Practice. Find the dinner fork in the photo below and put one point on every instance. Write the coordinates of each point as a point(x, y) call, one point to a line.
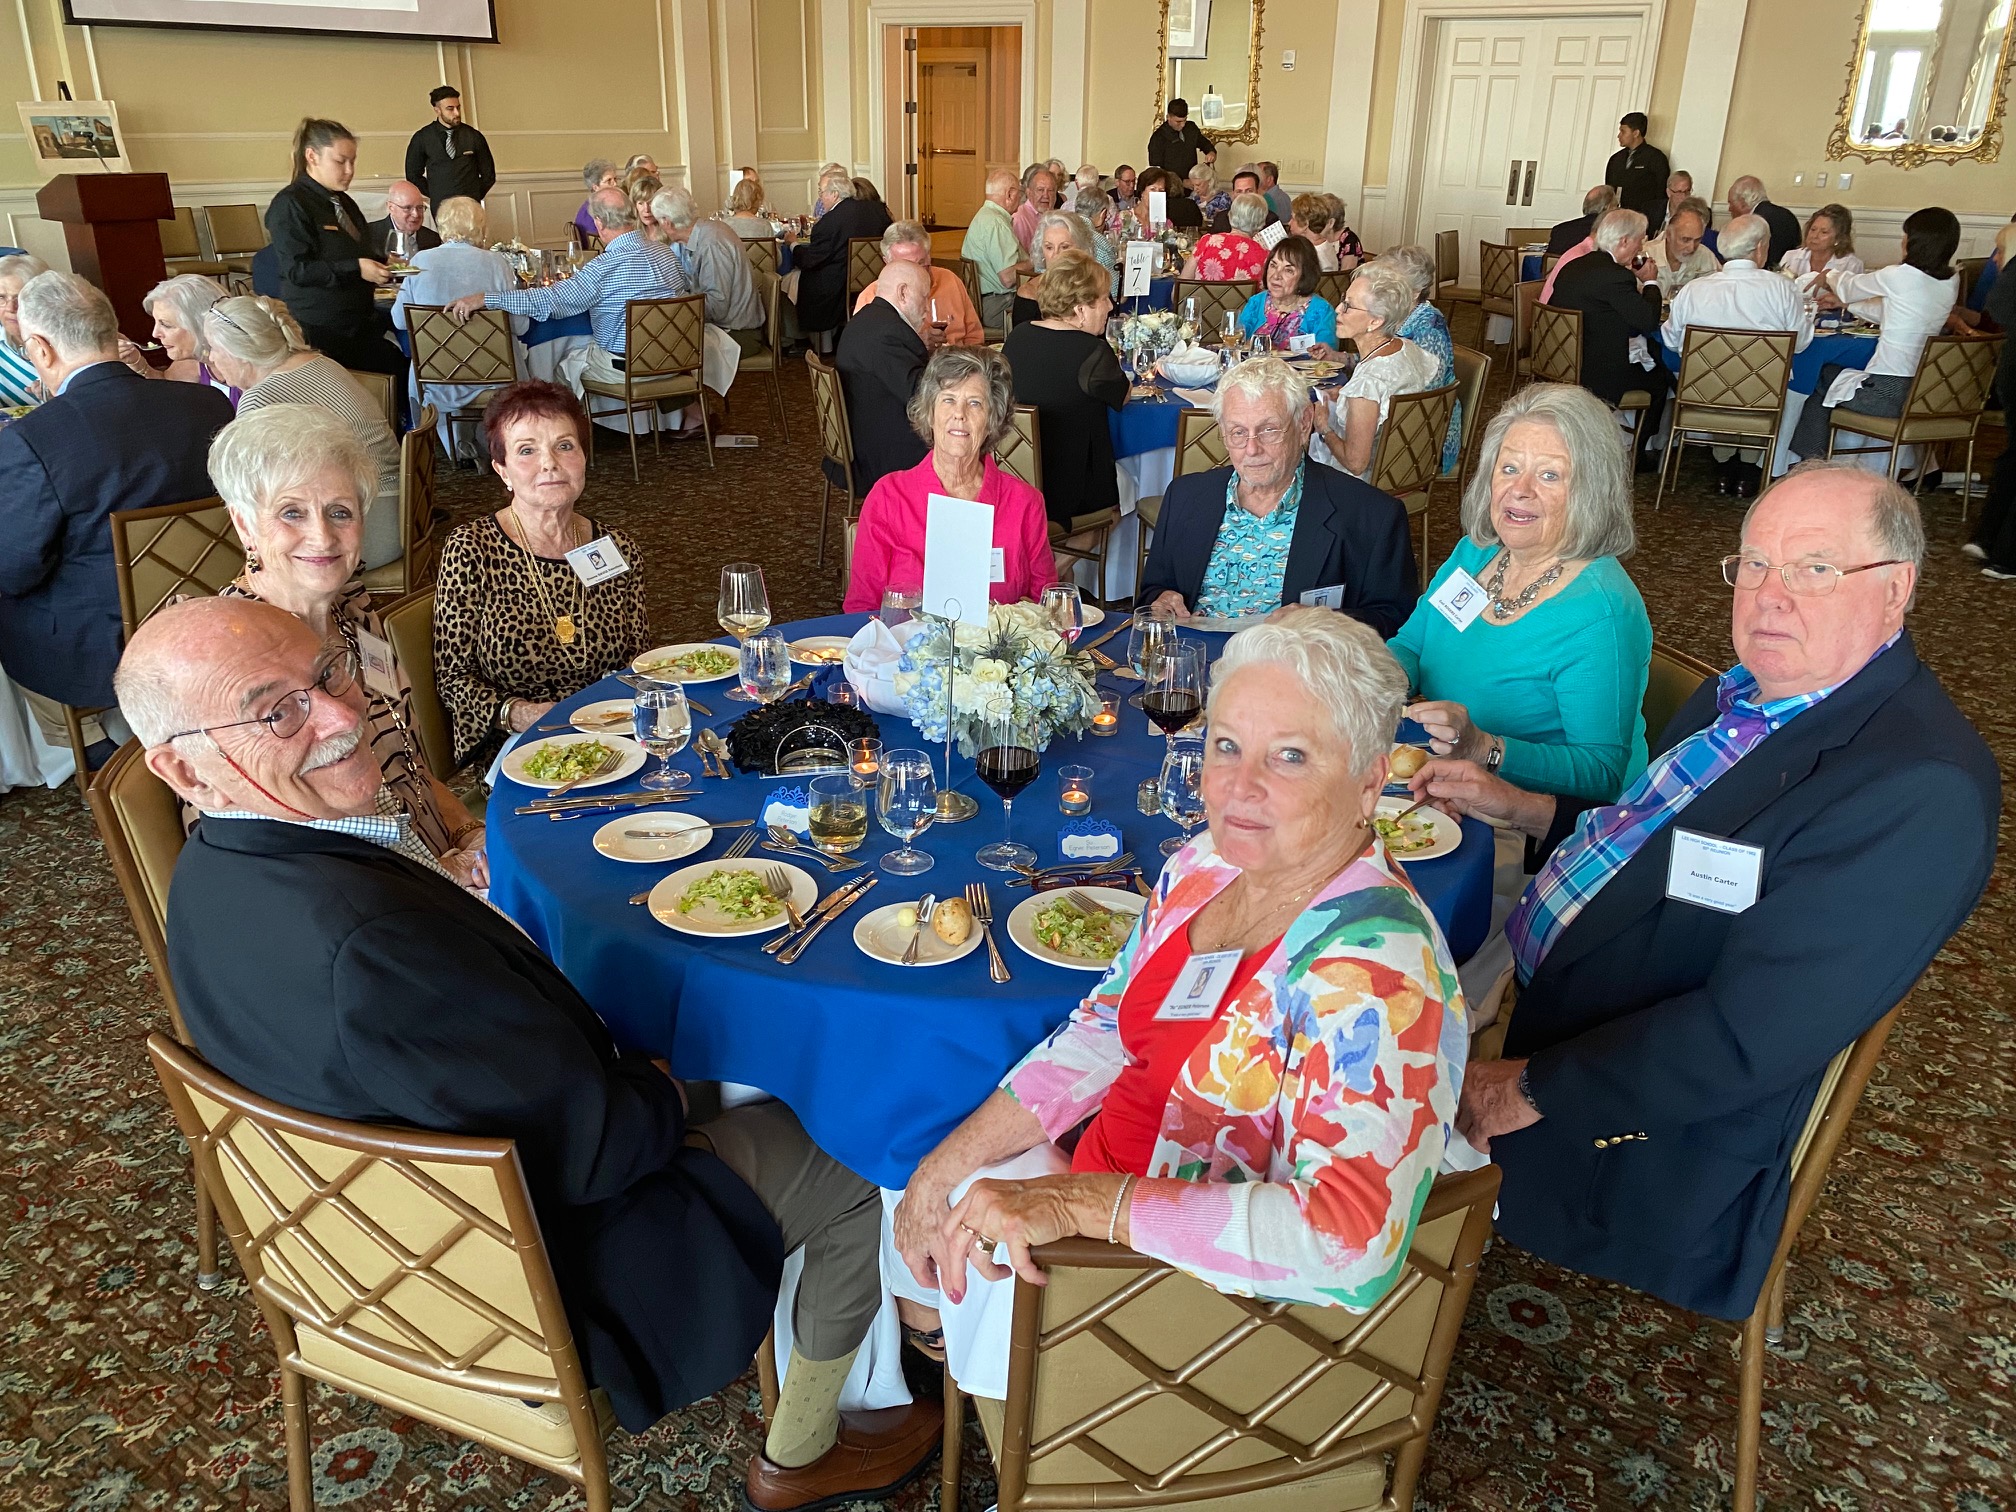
point(778, 885)
point(1085, 905)
point(983, 910)
point(602, 768)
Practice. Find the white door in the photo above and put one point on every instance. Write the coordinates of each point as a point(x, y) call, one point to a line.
point(1522, 117)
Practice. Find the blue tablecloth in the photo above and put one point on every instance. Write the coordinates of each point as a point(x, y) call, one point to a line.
point(1161, 295)
point(1145, 425)
point(1532, 265)
point(879, 1063)
point(1849, 351)
point(539, 331)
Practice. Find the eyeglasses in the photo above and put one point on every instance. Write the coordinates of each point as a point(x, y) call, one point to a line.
point(288, 717)
point(1808, 579)
point(1266, 435)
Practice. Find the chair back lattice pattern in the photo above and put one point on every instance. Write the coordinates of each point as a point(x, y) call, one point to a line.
point(1409, 454)
point(1200, 445)
point(969, 272)
point(480, 352)
point(1473, 377)
point(1557, 344)
point(1954, 377)
point(417, 457)
point(1734, 371)
point(1497, 269)
point(1131, 1383)
point(1020, 453)
point(1448, 259)
point(1525, 295)
point(409, 626)
point(1214, 299)
point(663, 337)
point(235, 230)
point(829, 403)
point(762, 253)
point(168, 551)
point(1331, 287)
point(864, 265)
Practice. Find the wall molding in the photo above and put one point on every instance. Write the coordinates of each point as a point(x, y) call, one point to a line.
point(883, 13)
point(1351, 70)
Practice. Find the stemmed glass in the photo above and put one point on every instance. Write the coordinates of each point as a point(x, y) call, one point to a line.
point(1182, 790)
point(766, 667)
point(744, 609)
point(1065, 607)
point(663, 723)
point(1146, 637)
point(1174, 692)
point(899, 605)
point(1187, 328)
point(400, 247)
point(1008, 762)
point(906, 801)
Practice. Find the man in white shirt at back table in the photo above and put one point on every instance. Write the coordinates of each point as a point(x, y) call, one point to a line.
point(1744, 296)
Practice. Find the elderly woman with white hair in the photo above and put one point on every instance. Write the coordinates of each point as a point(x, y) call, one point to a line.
point(178, 306)
point(18, 383)
point(256, 347)
point(1071, 230)
point(1540, 677)
point(1299, 1180)
point(462, 264)
point(599, 173)
point(1345, 431)
point(1225, 255)
point(1270, 530)
point(1428, 329)
point(299, 485)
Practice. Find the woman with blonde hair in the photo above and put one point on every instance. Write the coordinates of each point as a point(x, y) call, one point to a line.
point(745, 211)
point(1064, 367)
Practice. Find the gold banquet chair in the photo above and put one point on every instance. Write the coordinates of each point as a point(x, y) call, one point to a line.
point(415, 563)
point(170, 551)
point(182, 247)
point(1200, 446)
point(1332, 286)
point(1473, 377)
point(1731, 392)
point(409, 625)
point(864, 265)
point(1948, 393)
point(1407, 458)
point(1497, 272)
point(1670, 681)
point(762, 253)
point(1556, 352)
point(770, 359)
point(399, 1265)
point(664, 347)
point(379, 387)
point(969, 272)
point(236, 233)
point(1132, 1384)
point(480, 352)
point(1215, 298)
point(1448, 267)
point(1525, 295)
point(836, 445)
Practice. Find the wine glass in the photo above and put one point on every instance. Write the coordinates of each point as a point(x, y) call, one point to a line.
point(1229, 333)
point(1182, 790)
point(1174, 692)
point(1008, 762)
point(1187, 328)
point(766, 667)
point(662, 723)
point(1146, 636)
point(1066, 608)
point(906, 801)
point(1144, 366)
point(899, 604)
point(400, 247)
point(744, 608)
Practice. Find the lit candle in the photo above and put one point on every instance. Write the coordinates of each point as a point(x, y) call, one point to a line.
point(1074, 790)
point(1107, 720)
point(864, 758)
point(1076, 801)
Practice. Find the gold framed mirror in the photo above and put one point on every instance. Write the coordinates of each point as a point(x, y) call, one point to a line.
point(1925, 83)
point(1210, 58)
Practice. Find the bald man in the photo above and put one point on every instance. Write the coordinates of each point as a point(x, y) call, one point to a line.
point(881, 356)
point(405, 210)
point(992, 246)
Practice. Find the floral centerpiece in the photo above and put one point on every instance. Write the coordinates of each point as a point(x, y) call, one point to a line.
point(1017, 661)
point(1157, 329)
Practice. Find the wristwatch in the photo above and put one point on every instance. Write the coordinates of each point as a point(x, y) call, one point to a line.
point(1494, 756)
point(1526, 1088)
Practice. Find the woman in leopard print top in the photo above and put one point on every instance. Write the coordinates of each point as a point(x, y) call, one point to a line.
point(515, 629)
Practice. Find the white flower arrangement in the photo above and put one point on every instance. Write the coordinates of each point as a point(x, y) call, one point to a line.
point(1158, 328)
point(1016, 663)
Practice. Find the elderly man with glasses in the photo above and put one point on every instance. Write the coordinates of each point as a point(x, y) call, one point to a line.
point(322, 958)
point(405, 210)
point(1813, 827)
point(1270, 529)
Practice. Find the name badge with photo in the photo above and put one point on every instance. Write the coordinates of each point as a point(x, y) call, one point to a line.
point(1713, 872)
point(1199, 988)
point(1325, 598)
point(597, 562)
point(374, 664)
point(1301, 343)
point(1460, 599)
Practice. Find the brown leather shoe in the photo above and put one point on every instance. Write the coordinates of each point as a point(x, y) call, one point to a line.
point(876, 1453)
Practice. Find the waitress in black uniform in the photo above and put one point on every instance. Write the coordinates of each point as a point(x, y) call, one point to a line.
point(327, 272)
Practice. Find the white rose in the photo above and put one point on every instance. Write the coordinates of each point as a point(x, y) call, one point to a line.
point(988, 669)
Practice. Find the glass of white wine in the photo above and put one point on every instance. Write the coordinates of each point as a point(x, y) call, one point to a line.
point(744, 608)
point(906, 801)
point(839, 814)
point(662, 723)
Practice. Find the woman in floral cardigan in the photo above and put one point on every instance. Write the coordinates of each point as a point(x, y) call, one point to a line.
point(1279, 1138)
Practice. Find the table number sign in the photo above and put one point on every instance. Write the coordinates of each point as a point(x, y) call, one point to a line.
point(1141, 257)
point(1158, 206)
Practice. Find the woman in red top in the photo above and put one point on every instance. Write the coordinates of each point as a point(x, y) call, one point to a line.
point(1226, 255)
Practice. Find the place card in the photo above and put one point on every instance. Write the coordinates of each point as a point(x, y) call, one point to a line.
point(958, 558)
point(1158, 206)
point(789, 807)
point(1088, 840)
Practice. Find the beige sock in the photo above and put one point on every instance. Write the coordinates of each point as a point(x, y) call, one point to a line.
point(808, 1410)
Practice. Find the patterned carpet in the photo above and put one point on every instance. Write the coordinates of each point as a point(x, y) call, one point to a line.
point(125, 1388)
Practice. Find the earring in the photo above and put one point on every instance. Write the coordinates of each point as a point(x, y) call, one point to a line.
point(251, 560)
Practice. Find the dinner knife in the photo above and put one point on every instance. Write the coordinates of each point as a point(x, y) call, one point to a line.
point(1095, 645)
point(612, 800)
point(792, 952)
point(831, 903)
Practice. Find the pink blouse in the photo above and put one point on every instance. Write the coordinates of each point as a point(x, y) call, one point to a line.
point(889, 539)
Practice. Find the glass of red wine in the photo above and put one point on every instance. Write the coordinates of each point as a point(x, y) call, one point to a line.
point(1174, 694)
point(1008, 762)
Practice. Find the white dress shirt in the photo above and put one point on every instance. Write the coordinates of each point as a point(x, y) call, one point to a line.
point(1741, 297)
point(1799, 262)
point(1696, 264)
point(1910, 306)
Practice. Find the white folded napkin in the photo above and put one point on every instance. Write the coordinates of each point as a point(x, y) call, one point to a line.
point(871, 660)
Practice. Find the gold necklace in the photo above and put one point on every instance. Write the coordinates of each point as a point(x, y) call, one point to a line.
point(564, 627)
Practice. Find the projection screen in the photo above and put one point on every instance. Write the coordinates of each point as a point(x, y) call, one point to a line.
point(431, 20)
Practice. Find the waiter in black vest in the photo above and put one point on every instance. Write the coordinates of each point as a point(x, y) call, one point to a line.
point(448, 156)
point(1637, 169)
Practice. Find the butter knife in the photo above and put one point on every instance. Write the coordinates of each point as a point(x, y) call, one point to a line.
point(839, 898)
point(792, 952)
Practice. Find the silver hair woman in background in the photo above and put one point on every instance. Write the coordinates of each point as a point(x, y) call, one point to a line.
point(178, 306)
point(1377, 304)
point(18, 383)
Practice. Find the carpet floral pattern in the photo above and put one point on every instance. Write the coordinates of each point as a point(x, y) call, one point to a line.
point(123, 1388)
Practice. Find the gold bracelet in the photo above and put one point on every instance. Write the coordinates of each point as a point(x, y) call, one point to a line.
point(455, 839)
point(504, 715)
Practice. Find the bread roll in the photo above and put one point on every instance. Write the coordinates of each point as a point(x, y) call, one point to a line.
point(1406, 760)
point(952, 921)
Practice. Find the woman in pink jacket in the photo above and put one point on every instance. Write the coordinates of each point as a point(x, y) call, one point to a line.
point(964, 405)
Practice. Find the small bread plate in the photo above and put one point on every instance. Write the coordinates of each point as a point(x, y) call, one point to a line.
point(1429, 831)
point(820, 650)
point(1215, 626)
point(1022, 923)
point(707, 918)
point(682, 835)
point(1093, 615)
point(631, 754)
point(609, 716)
point(880, 936)
point(664, 664)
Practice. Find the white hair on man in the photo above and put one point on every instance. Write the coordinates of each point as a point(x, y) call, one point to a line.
point(904, 233)
point(1603, 197)
point(1616, 228)
point(1090, 203)
point(675, 208)
point(1001, 182)
point(1746, 237)
point(281, 446)
point(1264, 380)
point(1746, 194)
point(72, 315)
point(1088, 176)
point(836, 182)
point(611, 210)
point(1342, 663)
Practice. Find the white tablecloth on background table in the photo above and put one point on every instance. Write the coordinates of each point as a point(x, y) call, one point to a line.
point(26, 759)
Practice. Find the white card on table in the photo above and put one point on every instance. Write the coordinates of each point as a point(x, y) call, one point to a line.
point(1158, 206)
point(1301, 343)
point(597, 562)
point(1140, 268)
point(997, 566)
point(1460, 599)
point(374, 663)
point(1270, 236)
point(1200, 987)
point(958, 558)
point(1716, 873)
point(1325, 598)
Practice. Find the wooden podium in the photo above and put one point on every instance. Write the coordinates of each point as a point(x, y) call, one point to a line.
point(112, 224)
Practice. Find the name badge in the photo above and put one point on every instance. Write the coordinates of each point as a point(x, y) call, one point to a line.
point(374, 664)
point(1715, 873)
point(1460, 599)
point(1325, 598)
point(597, 562)
point(1301, 343)
point(997, 566)
point(1200, 987)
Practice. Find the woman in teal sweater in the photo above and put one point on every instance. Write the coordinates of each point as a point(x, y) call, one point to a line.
point(1533, 660)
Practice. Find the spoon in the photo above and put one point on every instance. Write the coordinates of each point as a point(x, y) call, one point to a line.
point(926, 906)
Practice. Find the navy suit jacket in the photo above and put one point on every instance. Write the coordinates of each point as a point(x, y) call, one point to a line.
point(1346, 532)
point(1704, 1034)
point(111, 440)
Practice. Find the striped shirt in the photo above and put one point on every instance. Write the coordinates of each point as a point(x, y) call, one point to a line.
point(634, 267)
point(1606, 838)
point(17, 375)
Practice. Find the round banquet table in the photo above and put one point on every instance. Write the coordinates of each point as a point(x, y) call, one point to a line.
point(878, 1062)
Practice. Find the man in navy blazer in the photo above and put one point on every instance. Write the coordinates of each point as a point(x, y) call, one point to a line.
point(1814, 825)
point(108, 439)
point(1347, 545)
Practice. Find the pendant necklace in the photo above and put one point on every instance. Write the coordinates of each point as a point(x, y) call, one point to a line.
point(564, 628)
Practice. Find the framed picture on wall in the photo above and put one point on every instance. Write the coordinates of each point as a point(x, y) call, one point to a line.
point(1189, 28)
point(74, 136)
